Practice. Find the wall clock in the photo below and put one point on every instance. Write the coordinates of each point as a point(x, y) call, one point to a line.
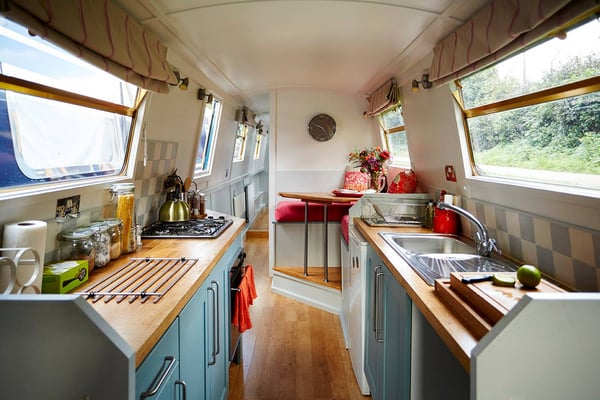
point(321, 127)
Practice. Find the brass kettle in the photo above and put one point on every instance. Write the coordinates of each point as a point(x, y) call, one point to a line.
point(175, 209)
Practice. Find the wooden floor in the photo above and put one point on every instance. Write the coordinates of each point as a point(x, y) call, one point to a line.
point(293, 351)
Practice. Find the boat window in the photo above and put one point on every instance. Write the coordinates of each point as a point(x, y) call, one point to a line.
point(240, 142)
point(62, 121)
point(257, 146)
point(393, 133)
point(208, 138)
point(534, 116)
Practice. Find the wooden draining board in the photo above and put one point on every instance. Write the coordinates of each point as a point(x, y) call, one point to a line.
point(492, 301)
point(480, 305)
point(470, 317)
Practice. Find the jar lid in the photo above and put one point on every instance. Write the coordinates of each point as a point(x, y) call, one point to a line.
point(99, 226)
point(77, 234)
point(111, 222)
point(120, 187)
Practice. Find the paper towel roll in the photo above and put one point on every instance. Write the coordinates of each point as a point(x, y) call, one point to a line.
point(27, 234)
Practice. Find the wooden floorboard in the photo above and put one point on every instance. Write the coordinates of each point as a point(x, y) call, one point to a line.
point(293, 351)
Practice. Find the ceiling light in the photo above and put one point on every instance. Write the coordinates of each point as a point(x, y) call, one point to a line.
point(182, 83)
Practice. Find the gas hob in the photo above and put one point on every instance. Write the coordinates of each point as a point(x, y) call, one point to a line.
point(206, 228)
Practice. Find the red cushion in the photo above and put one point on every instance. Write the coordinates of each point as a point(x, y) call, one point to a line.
point(293, 211)
point(345, 222)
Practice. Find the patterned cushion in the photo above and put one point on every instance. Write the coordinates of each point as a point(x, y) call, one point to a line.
point(356, 180)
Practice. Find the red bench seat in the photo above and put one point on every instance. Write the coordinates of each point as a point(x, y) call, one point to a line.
point(293, 211)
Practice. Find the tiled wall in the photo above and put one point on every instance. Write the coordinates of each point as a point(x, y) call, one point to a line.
point(567, 253)
point(149, 194)
point(149, 179)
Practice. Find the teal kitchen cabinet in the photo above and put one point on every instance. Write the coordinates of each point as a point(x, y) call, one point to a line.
point(204, 334)
point(191, 360)
point(217, 335)
point(388, 336)
point(192, 336)
point(158, 376)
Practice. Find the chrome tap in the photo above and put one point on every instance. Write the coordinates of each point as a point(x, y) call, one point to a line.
point(485, 244)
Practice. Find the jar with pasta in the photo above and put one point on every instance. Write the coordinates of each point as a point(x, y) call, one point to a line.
point(125, 200)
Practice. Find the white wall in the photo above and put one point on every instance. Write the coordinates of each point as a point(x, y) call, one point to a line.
point(301, 163)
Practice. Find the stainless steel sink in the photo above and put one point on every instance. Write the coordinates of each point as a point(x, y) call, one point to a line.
point(435, 256)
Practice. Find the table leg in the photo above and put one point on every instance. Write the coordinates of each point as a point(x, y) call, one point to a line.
point(325, 247)
point(306, 238)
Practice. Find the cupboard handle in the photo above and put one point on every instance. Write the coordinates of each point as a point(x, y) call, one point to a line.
point(183, 388)
point(378, 306)
point(213, 361)
point(218, 318)
point(374, 302)
point(161, 380)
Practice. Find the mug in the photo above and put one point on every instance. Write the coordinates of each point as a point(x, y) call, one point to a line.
point(445, 221)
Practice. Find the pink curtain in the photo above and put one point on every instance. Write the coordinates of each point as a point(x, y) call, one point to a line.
point(384, 98)
point(101, 33)
point(499, 29)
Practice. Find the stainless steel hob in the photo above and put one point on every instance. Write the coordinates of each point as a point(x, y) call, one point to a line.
point(208, 227)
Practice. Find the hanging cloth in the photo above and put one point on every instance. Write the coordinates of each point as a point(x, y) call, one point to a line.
point(384, 98)
point(499, 29)
point(99, 32)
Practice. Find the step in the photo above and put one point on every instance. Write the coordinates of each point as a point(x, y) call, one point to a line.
point(312, 290)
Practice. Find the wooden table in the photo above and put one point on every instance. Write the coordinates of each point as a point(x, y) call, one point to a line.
point(320, 198)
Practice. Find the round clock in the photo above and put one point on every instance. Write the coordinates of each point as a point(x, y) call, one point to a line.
point(321, 127)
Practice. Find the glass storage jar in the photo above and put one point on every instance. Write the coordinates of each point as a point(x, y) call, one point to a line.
point(125, 201)
point(115, 227)
point(77, 244)
point(101, 240)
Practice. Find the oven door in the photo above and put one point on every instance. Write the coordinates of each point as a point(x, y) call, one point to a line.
point(236, 273)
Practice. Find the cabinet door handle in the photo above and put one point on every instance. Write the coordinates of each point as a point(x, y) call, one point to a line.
point(213, 356)
point(218, 317)
point(160, 381)
point(374, 301)
point(181, 383)
point(378, 306)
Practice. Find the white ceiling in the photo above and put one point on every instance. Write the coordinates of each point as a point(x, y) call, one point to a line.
point(250, 47)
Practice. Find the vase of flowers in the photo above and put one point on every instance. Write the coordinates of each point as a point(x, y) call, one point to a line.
point(372, 161)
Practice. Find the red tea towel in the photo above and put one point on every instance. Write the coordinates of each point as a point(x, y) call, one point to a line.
point(243, 299)
point(250, 277)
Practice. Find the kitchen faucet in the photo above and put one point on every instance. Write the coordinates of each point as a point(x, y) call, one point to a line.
point(485, 244)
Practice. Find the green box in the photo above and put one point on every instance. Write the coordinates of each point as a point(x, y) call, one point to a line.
point(64, 276)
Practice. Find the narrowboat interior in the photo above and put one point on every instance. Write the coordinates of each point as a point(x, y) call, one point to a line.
point(299, 199)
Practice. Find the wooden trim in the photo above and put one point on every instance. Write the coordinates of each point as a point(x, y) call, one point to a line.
point(35, 89)
point(585, 86)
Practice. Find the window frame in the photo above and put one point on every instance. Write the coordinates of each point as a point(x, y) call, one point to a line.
point(241, 150)
point(257, 146)
point(135, 112)
point(565, 91)
point(211, 140)
point(386, 133)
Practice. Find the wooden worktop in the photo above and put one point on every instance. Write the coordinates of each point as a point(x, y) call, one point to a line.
point(318, 197)
point(455, 335)
point(141, 325)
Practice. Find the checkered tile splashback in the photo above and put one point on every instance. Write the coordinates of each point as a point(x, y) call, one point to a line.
point(569, 254)
point(149, 190)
